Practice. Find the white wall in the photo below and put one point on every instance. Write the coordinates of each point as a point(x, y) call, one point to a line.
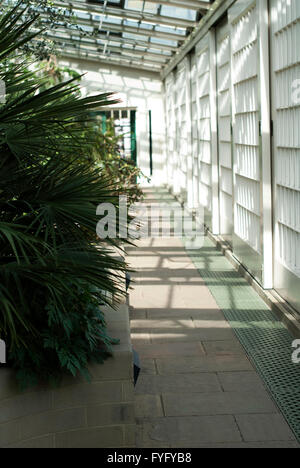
point(235, 160)
point(136, 88)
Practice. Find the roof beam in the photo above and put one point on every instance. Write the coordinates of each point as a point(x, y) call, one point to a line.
point(123, 61)
point(186, 4)
point(135, 30)
point(74, 34)
point(126, 14)
point(130, 58)
point(107, 26)
point(97, 47)
point(111, 61)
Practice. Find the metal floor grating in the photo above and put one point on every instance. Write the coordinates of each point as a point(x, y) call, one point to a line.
point(265, 339)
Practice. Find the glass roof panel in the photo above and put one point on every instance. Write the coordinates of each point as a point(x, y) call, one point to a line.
point(136, 24)
point(81, 15)
point(151, 7)
point(139, 5)
point(181, 13)
point(167, 42)
point(111, 19)
point(146, 29)
point(87, 28)
point(135, 37)
point(168, 29)
point(134, 5)
point(154, 51)
point(110, 2)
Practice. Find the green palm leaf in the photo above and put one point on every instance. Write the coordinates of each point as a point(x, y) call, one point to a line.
point(54, 271)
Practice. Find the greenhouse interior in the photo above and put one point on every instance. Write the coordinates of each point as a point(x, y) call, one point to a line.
point(150, 226)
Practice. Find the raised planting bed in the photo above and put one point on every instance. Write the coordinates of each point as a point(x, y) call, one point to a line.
point(78, 414)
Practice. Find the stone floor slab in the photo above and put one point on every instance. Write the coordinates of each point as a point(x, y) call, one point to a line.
point(195, 313)
point(264, 427)
point(161, 324)
point(203, 364)
point(171, 349)
point(240, 381)
point(188, 431)
point(148, 366)
point(240, 445)
point(179, 334)
point(148, 406)
point(183, 383)
point(223, 348)
point(194, 404)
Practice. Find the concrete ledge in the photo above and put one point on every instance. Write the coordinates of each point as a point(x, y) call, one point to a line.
point(78, 414)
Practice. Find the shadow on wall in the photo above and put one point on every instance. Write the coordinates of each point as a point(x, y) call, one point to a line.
point(135, 88)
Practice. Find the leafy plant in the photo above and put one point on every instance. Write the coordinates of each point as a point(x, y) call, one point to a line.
point(55, 74)
point(107, 157)
point(69, 342)
point(52, 272)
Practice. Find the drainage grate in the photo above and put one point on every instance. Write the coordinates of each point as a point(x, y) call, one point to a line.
point(265, 339)
point(283, 379)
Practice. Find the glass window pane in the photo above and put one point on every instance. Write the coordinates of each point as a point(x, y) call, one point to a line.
point(168, 42)
point(182, 13)
point(136, 5)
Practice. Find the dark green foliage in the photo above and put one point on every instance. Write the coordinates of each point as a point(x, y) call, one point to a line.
point(53, 269)
point(123, 171)
point(70, 340)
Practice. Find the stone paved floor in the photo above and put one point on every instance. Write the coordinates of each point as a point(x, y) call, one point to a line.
point(197, 387)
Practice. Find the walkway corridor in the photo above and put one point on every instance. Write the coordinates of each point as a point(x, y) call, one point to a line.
point(197, 387)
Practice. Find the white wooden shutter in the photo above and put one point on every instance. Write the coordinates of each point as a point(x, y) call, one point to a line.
point(204, 127)
point(285, 43)
point(194, 123)
point(252, 238)
point(224, 131)
point(181, 115)
point(170, 127)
